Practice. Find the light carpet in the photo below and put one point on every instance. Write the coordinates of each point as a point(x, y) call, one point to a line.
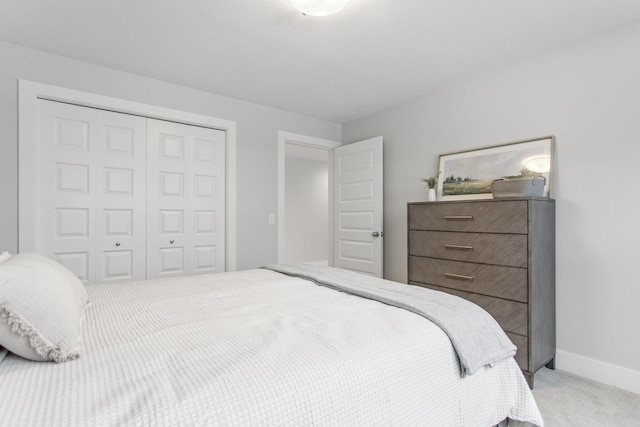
point(565, 400)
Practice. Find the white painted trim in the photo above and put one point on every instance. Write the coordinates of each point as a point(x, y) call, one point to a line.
point(307, 141)
point(28, 94)
point(231, 195)
point(596, 370)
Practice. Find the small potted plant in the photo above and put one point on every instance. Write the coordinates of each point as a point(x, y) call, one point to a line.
point(431, 183)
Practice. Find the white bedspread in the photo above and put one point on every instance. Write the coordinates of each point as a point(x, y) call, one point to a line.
point(256, 348)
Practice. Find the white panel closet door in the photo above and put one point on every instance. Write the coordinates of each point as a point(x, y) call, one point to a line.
point(185, 199)
point(121, 205)
point(91, 191)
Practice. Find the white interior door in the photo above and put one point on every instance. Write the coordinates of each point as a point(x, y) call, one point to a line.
point(91, 191)
point(121, 197)
point(185, 199)
point(66, 184)
point(358, 196)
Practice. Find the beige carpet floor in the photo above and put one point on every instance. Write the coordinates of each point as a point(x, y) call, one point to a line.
point(565, 400)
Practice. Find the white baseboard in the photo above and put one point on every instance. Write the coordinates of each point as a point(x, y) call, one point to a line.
point(596, 370)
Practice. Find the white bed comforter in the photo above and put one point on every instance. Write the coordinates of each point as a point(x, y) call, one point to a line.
point(256, 348)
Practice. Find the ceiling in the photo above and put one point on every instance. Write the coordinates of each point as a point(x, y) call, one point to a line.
point(372, 55)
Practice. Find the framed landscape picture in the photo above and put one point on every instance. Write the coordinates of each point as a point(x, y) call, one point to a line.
point(468, 174)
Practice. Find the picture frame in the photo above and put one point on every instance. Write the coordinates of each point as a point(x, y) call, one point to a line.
point(468, 175)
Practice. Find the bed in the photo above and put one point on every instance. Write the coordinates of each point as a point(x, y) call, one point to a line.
point(256, 347)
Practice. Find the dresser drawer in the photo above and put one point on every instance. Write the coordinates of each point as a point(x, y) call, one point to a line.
point(500, 249)
point(487, 217)
point(511, 315)
point(522, 355)
point(494, 280)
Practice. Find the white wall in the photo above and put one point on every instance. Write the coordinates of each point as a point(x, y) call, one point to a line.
point(257, 138)
point(588, 96)
point(306, 210)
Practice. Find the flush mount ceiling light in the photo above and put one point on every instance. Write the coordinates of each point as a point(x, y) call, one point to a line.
point(319, 7)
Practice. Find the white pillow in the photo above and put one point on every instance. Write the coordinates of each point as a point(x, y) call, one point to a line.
point(41, 306)
point(4, 256)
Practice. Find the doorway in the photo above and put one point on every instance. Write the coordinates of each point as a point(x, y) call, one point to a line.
point(305, 199)
point(355, 209)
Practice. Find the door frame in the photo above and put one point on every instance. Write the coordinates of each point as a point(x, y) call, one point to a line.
point(285, 138)
point(30, 92)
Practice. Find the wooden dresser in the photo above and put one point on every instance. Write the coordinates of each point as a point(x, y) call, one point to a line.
point(500, 254)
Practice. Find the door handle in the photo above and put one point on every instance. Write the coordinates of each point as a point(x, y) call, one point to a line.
point(377, 234)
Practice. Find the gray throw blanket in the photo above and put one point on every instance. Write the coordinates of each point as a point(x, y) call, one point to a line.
point(476, 337)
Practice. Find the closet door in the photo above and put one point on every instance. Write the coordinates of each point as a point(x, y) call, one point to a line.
point(185, 199)
point(91, 191)
point(66, 187)
point(121, 201)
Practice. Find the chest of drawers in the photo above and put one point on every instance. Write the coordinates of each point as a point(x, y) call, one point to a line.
point(499, 254)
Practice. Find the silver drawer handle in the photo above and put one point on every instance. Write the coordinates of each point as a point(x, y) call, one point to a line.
point(464, 247)
point(458, 276)
point(459, 217)
point(117, 243)
point(172, 241)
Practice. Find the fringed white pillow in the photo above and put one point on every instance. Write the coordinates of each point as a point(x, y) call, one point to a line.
point(4, 256)
point(41, 307)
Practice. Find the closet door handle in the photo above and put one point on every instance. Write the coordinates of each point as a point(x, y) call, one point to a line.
point(117, 243)
point(171, 242)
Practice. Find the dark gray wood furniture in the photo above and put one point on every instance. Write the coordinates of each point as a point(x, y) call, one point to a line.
point(500, 254)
